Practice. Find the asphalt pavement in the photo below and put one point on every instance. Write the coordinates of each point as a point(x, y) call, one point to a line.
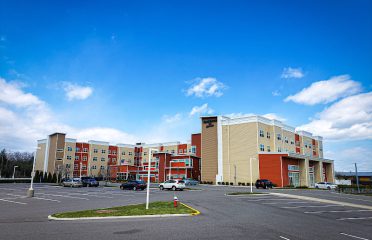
point(261, 216)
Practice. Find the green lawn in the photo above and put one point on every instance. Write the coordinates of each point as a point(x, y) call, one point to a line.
point(131, 210)
point(244, 193)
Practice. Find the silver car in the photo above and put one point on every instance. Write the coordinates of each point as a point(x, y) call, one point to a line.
point(190, 181)
point(75, 182)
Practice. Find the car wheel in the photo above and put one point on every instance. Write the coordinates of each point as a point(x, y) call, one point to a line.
point(329, 188)
point(161, 188)
point(317, 187)
point(174, 188)
point(121, 187)
point(134, 188)
point(181, 189)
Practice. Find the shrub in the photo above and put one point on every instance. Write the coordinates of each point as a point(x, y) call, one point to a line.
point(54, 178)
point(239, 183)
point(231, 183)
point(243, 184)
point(219, 183)
point(45, 177)
point(226, 183)
point(49, 178)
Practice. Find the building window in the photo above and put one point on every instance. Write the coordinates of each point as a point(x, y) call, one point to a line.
point(268, 135)
point(103, 151)
point(102, 167)
point(261, 133)
point(85, 150)
point(144, 153)
point(114, 152)
point(130, 153)
point(268, 149)
point(84, 167)
point(102, 159)
point(279, 149)
point(262, 147)
point(94, 167)
point(76, 166)
point(293, 168)
point(68, 157)
point(122, 161)
point(67, 165)
point(95, 150)
point(279, 136)
point(123, 153)
point(60, 150)
point(193, 149)
point(69, 149)
point(172, 152)
point(292, 142)
point(85, 158)
point(59, 159)
point(285, 139)
point(114, 160)
point(77, 149)
point(76, 157)
point(109, 151)
point(180, 151)
point(94, 158)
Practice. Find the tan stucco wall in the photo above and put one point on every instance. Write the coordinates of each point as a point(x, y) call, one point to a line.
point(99, 155)
point(129, 159)
point(40, 156)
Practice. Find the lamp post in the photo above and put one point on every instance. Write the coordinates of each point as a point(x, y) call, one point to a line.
point(148, 178)
point(80, 169)
point(357, 178)
point(31, 192)
point(14, 170)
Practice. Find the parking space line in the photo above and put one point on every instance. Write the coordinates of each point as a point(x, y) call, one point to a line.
point(338, 211)
point(284, 238)
point(5, 200)
point(354, 218)
point(272, 199)
point(65, 196)
point(274, 203)
point(353, 236)
point(312, 206)
point(47, 199)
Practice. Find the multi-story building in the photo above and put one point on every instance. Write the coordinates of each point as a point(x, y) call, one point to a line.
point(70, 158)
point(238, 149)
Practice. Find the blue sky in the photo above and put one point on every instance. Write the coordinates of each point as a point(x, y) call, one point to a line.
point(126, 71)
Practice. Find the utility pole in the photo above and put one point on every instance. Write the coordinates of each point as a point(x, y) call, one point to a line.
point(357, 178)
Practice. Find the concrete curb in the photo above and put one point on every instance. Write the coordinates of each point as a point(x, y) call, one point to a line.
point(323, 200)
point(196, 212)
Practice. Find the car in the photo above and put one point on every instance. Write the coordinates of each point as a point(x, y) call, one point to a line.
point(133, 185)
point(264, 183)
point(325, 185)
point(74, 182)
point(190, 181)
point(173, 184)
point(89, 182)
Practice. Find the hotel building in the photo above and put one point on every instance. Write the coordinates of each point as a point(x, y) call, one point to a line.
point(236, 149)
point(70, 158)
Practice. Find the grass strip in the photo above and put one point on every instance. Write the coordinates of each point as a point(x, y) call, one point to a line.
point(155, 208)
point(244, 193)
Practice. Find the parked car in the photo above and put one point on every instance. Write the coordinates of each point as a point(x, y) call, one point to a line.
point(325, 185)
point(134, 185)
point(74, 182)
point(264, 183)
point(190, 181)
point(173, 184)
point(89, 182)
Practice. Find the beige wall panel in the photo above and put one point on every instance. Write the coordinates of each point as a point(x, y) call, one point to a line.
point(242, 139)
point(99, 155)
point(40, 156)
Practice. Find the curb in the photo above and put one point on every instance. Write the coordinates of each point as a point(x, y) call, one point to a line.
point(196, 212)
point(323, 200)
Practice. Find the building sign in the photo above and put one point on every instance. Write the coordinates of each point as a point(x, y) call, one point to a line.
point(209, 122)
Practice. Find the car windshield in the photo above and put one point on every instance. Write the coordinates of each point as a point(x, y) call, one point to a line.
point(181, 181)
point(140, 182)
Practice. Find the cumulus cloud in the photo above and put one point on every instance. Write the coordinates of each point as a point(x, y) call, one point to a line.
point(274, 116)
point(203, 109)
point(349, 118)
point(326, 91)
point(76, 92)
point(24, 118)
point(292, 73)
point(206, 87)
point(345, 159)
point(172, 118)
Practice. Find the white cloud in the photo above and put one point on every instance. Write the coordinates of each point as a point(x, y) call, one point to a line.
point(76, 92)
point(173, 118)
point(203, 109)
point(24, 118)
point(349, 118)
point(345, 159)
point(274, 116)
point(292, 73)
point(276, 93)
point(206, 87)
point(326, 91)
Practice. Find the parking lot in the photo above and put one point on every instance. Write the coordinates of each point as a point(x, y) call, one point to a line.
point(262, 216)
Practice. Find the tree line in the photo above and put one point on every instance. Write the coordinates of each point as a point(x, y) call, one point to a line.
point(8, 160)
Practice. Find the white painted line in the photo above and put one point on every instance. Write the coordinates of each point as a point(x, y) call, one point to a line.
point(312, 206)
point(278, 199)
point(284, 238)
point(338, 211)
point(65, 196)
point(354, 218)
point(353, 236)
point(274, 203)
point(5, 200)
point(47, 199)
point(119, 217)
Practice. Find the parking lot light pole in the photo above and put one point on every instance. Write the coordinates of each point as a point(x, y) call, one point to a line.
point(357, 178)
point(31, 192)
point(250, 169)
point(148, 178)
point(14, 170)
